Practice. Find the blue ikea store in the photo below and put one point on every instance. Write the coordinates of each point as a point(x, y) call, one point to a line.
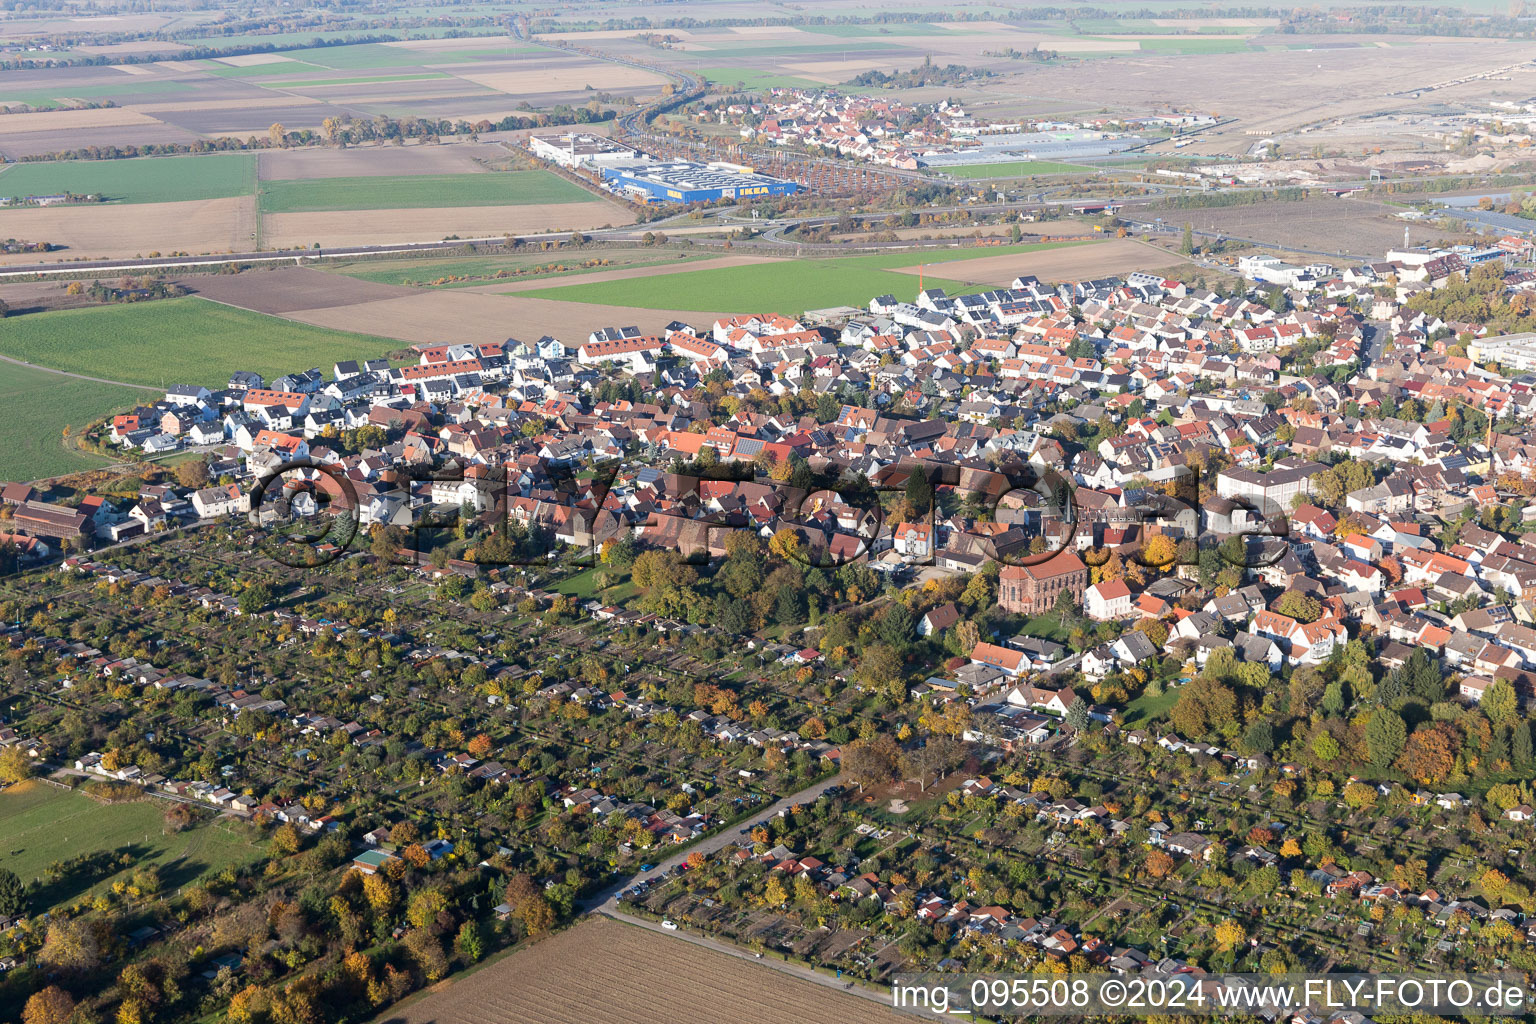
point(687, 182)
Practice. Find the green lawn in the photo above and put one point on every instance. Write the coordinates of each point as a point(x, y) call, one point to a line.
point(1017, 169)
point(1147, 707)
point(166, 179)
point(41, 824)
point(495, 188)
point(36, 406)
point(789, 287)
point(178, 341)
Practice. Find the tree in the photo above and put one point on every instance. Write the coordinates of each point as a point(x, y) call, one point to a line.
point(285, 840)
point(52, 1005)
point(1499, 702)
point(1159, 552)
point(870, 762)
point(1158, 863)
point(1260, 737)
point(71, 945)
point(1077, 715)
point(254, 598)
point(1187, 242)
point(919, 493)
point(880, 668)
point(424, 906)
point(1385, 735)
point(13, 895)
point(15, 765)
point(1429, 754)
point(192, 473)
point(427, 952)
point(277, 134)
point(1299, 606)
point(1230, 935)
point(470, 942)
point(480, 745)
point(1520, 744)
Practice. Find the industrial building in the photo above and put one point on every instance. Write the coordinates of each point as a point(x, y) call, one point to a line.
point(687, 182)
point(578, 149)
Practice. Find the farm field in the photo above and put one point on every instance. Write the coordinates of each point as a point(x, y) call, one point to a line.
point(133, 229)
point(1360, 227)
point(788, 286)
point(439, 273)
point(43, 824)
point(1072, 263)
point(178, 341)
point(347, 227)
point(37, 406)
point(144, 180)
point(472, 315)
point(621, 972)
point(507, 188)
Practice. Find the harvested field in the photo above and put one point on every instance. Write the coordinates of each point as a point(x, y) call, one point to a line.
point(1074, 263)
point(369, 161)
point(474, 316)
point(134, 229)
point(71, 120)
point(601, 970)
point(565, 78)
point(285, 289)
point(1362, 228)
point(344, 227)
point(244, 103)
point(249, 60)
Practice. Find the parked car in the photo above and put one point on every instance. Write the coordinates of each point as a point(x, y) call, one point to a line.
point(669, 926)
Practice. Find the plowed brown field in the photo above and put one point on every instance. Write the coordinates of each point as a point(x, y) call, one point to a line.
point(606, 972)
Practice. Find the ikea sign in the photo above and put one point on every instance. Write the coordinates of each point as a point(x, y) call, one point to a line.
point(755, 190)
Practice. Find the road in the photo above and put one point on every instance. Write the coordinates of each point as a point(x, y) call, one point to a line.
point(605, 900)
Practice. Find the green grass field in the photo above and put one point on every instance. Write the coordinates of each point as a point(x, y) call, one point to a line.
point(366, 55)
point(178, 341)
point(41, 824)
point(364, 80)
point(426, 271)
point(37, 406)
point(791, 286)
point(1186, 45)
point(1011, 170)
point(496, 188)
point(751, 79)
point(50, 98)
point(165, 179)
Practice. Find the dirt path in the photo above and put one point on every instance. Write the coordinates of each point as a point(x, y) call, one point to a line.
point(77, 376)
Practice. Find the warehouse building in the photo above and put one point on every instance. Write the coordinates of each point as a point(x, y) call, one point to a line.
point(687, 182)
point(578, 149)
